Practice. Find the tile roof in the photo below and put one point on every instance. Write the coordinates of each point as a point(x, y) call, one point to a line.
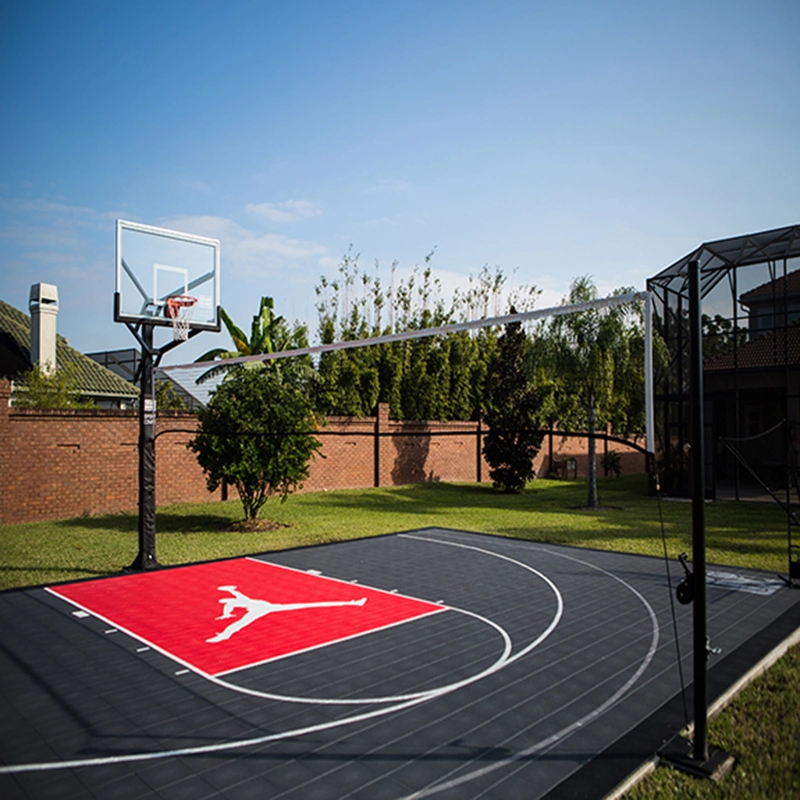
point(93, 378)
point(790, 284)
point(762, 352)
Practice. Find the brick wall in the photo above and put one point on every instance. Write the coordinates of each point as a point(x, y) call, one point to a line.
point(69, 463)
point(632, 461)
point(76, 462)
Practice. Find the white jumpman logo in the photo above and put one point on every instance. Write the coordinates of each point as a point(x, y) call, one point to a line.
point(255, 609)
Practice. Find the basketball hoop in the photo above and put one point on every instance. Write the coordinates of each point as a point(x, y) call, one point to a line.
point(179, 309)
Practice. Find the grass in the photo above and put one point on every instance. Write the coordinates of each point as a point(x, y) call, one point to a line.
point(746, 535)
point(762, 727)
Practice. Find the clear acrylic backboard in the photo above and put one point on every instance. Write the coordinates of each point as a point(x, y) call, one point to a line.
point(154, 264)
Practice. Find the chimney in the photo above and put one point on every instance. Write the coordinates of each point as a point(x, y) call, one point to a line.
point(43, 306)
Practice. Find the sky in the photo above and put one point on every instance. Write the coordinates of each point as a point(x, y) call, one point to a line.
point(549, 140)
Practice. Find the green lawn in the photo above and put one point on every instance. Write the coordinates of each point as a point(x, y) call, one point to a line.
point(751, 535)
point(761, 729)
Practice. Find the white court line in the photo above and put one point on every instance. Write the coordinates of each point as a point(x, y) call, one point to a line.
point(555, 738)
point(340, 581)
point(89, 612)
point(219, 747)
point(310, 648)
point(428, 693)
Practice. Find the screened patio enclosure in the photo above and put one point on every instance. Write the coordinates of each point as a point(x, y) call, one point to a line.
point(750, 289)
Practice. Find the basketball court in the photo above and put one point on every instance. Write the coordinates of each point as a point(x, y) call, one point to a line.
point(429, 663)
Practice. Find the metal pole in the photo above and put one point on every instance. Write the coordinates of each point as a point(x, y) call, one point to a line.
point(147, 459)
point(649, 404)
point(376, 449)
point(698, 518)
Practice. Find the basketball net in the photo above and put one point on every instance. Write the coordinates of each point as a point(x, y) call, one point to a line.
point(179, 309)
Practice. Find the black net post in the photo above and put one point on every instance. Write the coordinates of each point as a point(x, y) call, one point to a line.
point(698, 517)
point(147, 458)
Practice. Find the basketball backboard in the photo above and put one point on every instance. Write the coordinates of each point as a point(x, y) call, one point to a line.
point(154, 264)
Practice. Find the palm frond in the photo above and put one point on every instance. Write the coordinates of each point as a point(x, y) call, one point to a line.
point(215, 371)
point(236, 333)
point(217, 352)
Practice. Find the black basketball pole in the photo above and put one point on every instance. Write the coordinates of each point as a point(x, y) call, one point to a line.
point(698, 517)
point(147, 458)
point(704, 761)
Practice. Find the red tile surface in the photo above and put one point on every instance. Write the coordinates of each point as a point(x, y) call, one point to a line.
point(178, 610)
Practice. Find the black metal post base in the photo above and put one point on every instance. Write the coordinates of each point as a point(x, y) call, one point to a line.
point(143, 562)
point(679, 754)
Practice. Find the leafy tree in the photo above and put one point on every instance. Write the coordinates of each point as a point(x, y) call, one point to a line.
point(720, 335)
point(512, 413)
point(591, 357)
point(256, 434)
point(431, 378)
point(167, 399)
point(60, 389)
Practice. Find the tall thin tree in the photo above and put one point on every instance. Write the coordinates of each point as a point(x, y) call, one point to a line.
point(589, 348)
point(512, 413)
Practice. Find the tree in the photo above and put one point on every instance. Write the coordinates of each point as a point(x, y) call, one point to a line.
point(591, 351)
point(512, 413)
point(257, 434)
point(268, 334)
point(440, 377)
point(167, 399)
point(38, 389)
point(720, 335)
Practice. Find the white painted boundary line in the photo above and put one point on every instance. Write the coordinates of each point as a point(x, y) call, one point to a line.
point(215, 678)
point(567, 731)
point(148, 644)
point(505, 658)
point(322, 576)
point(226, 746)
point(218, 677)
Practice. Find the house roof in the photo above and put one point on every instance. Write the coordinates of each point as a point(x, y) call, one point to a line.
point(717, 257)
point(771, 349)
point(790, 285)
point(93, 379)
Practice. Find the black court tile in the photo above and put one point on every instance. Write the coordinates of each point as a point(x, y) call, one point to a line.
point(550, 672)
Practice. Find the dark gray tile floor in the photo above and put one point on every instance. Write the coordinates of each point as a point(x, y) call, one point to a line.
point(552, 673)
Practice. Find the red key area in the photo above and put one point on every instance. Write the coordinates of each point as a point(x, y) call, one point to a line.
point(177, 611)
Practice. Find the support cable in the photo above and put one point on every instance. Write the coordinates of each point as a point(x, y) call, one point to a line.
point(671, 597)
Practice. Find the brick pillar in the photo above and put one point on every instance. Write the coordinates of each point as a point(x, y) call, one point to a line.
point(381, 425)
point(478, 449)
point(5, 437)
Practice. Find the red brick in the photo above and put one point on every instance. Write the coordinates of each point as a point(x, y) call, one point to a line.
point(73, 462)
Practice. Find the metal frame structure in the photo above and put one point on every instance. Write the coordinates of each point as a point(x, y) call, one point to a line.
point(750, 295)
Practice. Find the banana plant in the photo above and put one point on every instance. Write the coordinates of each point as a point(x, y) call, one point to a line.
point(268, 334)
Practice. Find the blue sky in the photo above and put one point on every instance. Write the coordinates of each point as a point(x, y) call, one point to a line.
point(549, 139)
